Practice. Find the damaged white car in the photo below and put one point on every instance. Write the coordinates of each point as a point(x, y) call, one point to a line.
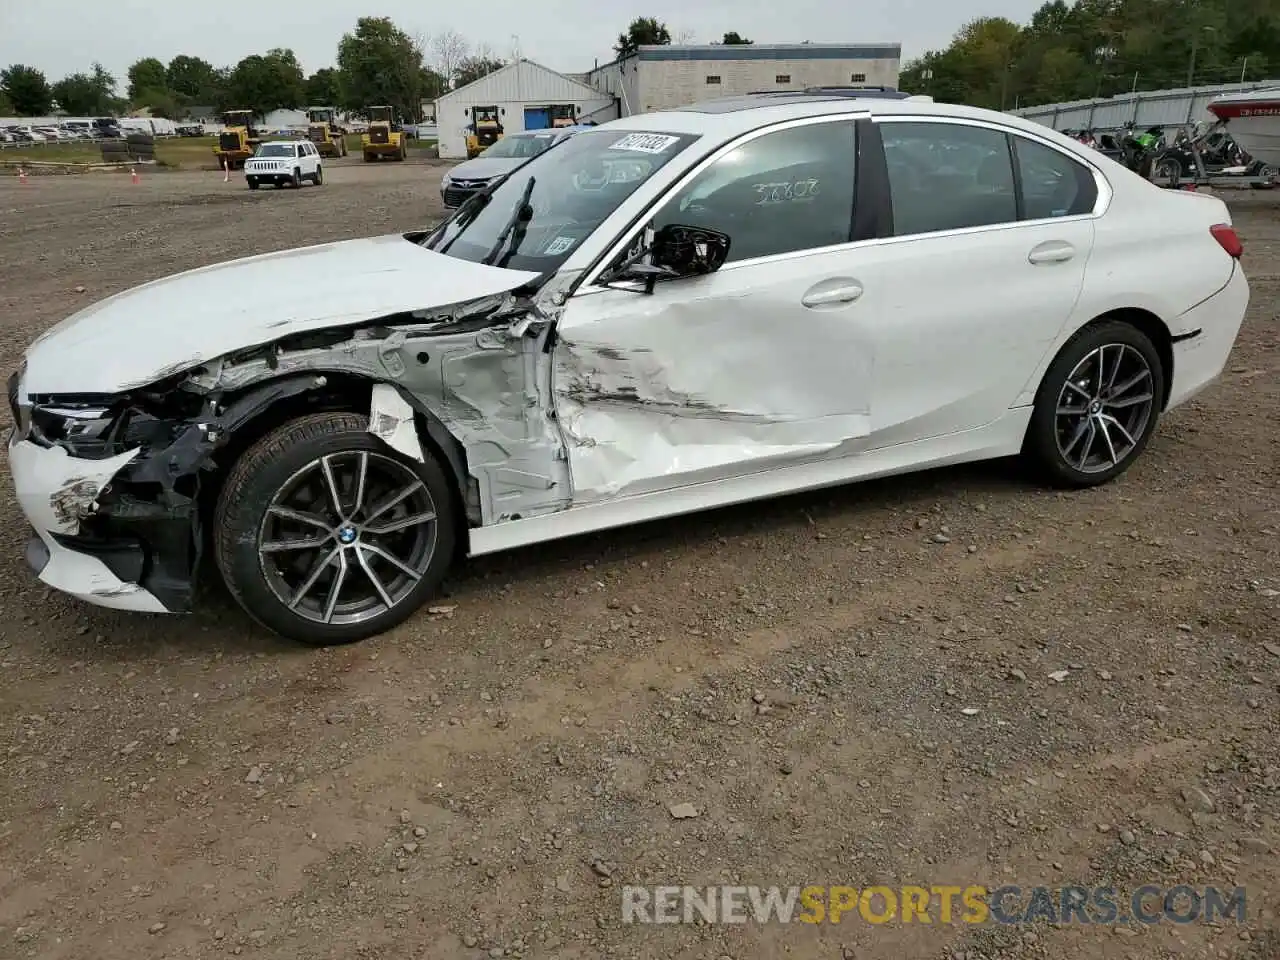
point(670, 312)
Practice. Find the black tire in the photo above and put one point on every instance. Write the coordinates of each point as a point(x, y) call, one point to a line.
point(1041, 446)
point(296, 182)
point(318, 179)
point(268, 467)
point(253, 184)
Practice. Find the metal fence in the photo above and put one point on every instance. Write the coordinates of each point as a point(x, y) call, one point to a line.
point(1146, 108)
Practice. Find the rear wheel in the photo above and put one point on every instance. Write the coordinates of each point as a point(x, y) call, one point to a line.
point(327, 536)
point(1097, 406)
point(318, 179)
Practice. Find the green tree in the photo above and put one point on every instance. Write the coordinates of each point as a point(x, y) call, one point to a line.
point(643, 32)
point(323, 88)
point(147, 74)
point(378, 63)
point(472, 69)
point(431, 84)
point(6, 108)
point(84, 94)
point(735, 39)
point(27, 90)
point(161, 103)
point(267, 82)
point(192, 78)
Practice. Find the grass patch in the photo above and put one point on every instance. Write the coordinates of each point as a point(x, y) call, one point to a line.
point(73, 152)
point(183, 153)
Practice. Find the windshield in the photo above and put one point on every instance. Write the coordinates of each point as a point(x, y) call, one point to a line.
point(275, 150)
point(529, 146)
point(535, 225)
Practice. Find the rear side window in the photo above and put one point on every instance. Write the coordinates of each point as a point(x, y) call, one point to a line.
point(1053, 185)
point(948, 176)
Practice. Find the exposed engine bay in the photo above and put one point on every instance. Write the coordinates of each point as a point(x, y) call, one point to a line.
point(465, 380)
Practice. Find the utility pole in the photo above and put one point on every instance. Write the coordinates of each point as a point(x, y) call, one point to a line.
point(1195, 46)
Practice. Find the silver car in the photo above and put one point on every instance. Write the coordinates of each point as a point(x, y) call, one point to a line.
point(513, 150)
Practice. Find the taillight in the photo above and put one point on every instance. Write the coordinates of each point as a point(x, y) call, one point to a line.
point(1227, 238)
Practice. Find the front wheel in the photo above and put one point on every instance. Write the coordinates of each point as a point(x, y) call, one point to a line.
point(327, 536)
point(296, 182)
point(1097, 406)
point(253, 184)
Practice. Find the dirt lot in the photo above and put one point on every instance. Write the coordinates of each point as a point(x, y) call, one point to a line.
point(803, 672)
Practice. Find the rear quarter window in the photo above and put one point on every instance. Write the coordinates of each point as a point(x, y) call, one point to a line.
point(1053, 184)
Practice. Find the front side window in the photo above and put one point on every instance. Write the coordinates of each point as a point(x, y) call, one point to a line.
point(509, 147)
point(1053, 185)
point(536, 217)
point(948, 176)
point(779, 193)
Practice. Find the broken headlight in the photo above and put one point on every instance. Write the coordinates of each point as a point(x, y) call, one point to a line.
point(94, 428)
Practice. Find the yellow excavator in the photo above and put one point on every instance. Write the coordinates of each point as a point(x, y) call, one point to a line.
point(324, 132)
point(485, 130)
point(385, 136)
point(238, 140)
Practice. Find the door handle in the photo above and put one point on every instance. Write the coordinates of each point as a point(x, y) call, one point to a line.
point(1051, 251)
point(832, 293)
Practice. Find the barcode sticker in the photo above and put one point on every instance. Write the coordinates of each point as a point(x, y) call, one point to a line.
point(645, 142)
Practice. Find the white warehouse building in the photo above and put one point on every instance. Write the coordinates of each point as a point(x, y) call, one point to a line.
point(664, 77)
point(526, 95)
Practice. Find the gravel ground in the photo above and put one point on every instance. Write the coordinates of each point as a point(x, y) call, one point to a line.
point(954, 677)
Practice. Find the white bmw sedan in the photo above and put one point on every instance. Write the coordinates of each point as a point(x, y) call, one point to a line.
point(671, 312)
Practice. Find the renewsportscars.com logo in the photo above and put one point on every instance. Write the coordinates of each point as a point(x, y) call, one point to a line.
point(941, 904)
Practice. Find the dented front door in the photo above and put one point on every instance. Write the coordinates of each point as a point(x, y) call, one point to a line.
point(760, 365)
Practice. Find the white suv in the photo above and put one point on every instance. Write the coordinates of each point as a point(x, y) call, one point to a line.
point(284, 163)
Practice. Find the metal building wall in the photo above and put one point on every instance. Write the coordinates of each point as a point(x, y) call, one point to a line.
point(1146, 108)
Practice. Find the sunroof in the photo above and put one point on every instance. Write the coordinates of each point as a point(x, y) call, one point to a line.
point(756, 99)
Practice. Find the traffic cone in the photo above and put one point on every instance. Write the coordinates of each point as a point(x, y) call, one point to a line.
point(133, 173)
point(22, 176)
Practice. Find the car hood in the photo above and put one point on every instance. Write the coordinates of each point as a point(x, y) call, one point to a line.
point(485, 168)
point(173, 324)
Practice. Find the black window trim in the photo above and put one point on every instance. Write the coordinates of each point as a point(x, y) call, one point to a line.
point(1102, 187)
point(588, 282)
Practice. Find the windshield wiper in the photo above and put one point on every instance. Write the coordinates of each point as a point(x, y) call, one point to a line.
point(464, 215)
point(522, 215)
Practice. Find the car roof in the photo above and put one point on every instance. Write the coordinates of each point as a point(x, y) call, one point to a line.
point(727, 117)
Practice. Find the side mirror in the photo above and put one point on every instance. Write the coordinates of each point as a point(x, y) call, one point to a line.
point(690, 251)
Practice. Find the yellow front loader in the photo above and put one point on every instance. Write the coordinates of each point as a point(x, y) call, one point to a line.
point(324, 132)
point(238, 140)
point(385, 136)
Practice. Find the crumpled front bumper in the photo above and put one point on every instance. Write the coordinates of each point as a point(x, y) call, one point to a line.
point(53, 488)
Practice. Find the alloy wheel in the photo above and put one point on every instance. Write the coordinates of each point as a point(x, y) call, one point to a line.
point(1104, 408)
point(347, 537)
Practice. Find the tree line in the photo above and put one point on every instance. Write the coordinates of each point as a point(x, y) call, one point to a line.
point(1100, 48)
point(377, 63)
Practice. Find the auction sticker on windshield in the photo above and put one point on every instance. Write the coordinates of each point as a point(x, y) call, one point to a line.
point(558, 245)
point(645, 142)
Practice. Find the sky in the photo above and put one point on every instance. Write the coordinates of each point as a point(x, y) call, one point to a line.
point(65, 36)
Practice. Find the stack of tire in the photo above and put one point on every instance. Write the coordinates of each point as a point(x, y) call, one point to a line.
point(134, 147)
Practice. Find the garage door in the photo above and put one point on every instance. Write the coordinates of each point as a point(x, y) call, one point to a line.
point(537, 118)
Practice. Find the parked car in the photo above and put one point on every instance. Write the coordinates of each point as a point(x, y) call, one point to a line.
point(472, 176)
point(671, 312)
point(284, 163)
